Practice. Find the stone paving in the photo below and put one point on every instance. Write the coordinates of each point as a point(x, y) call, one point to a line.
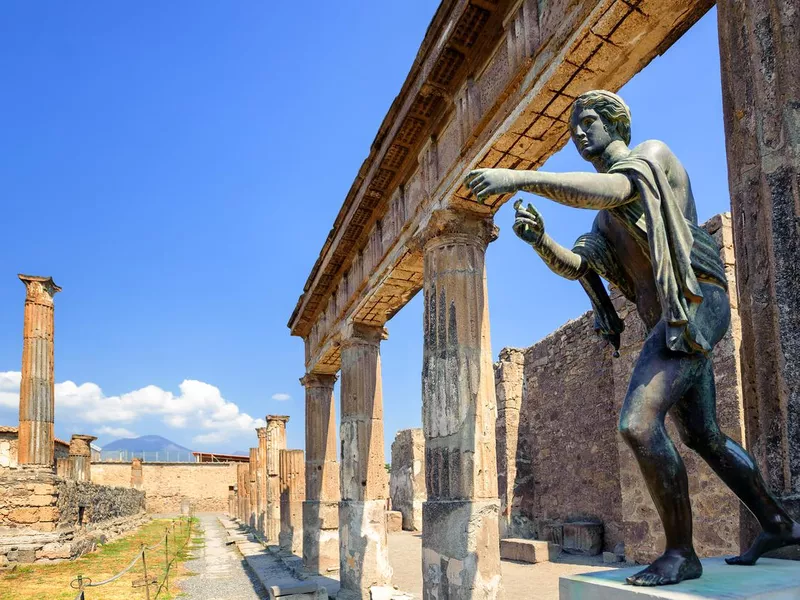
point(219, 568)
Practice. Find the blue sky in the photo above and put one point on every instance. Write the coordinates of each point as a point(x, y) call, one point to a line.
point(176, 168)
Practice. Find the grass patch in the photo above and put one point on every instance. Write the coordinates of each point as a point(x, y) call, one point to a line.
point(52, 581)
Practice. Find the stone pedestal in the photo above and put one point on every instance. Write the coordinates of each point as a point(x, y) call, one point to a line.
point(252, 489)
point(276, 441)
point(460, 530)
point(321, 508)
point(37, 387)
point(759, 44)
point(137, 479)
point(363, 543)
point(293, 493)
point(770, 578)
point(261, 482)
point(80, 457)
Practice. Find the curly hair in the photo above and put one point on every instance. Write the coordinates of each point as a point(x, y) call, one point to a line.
point(609, 106)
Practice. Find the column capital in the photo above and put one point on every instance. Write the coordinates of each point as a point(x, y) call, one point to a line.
point(80, 445)
point(39, 289)
point(261, 432)
point(449, 225)
point(277, 419)
point(318, 380)
point(359, 334)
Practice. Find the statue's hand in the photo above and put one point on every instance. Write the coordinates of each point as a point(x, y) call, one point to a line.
point(491, 182)
point(528, 223)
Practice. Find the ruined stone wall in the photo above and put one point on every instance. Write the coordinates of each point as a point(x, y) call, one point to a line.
point(166, 484)
point(407, 477)
point(9, 444)
point(44, 518)
point(563, 459)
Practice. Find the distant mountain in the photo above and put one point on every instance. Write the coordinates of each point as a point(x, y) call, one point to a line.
point(240, 453)
point(145, 443)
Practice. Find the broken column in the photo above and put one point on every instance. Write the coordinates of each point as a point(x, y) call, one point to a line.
point(363, 543)
point(407, 482)
point(252, 506)
point(37, 388)
point(460, 533)
point(321, 507)
point(276, 441)
point(293, 493)
point(759, 44)
point(261, 482)
point(80, 457)
point(137, 480)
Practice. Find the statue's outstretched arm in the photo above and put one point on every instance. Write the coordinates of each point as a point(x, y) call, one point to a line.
point(580, 190)
point(529, 226)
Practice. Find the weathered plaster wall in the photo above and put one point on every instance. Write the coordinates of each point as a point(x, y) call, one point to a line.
point(563, 459)
point(166, 484)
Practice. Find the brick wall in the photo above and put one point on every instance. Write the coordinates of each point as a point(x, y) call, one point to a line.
point(166, 484)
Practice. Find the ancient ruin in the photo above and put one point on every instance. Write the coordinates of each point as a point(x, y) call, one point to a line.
point(293, 494)
point(492, 86)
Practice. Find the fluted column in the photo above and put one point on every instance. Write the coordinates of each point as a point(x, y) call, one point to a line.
point(321, 507)
point(276, 441)
point(80, 457)
point(242, 484)
point(363, 543)
point(252, 491)
point(460, 531)
point(293, 493)
point(261, 482)
point(37, 388)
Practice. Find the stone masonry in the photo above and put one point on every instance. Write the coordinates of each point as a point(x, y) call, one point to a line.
point(407, 479)
point(37, 388)
point(80, 457)
point(252, 489)
point(261, 483)
point(275, 442)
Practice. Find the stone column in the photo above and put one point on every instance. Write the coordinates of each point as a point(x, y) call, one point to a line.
point(321, 507)
point(261, 482)
point(293, 493)
point(242, 483)
point(231, 502)
point(252, 505)
point(137, 479)
point(276, 441)
point(460, 532)
point(80, 457)
point(759, 47)
point(363, 544)
point(37, 388)
point(407, 481)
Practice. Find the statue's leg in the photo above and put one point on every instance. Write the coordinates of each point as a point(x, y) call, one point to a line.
point(696, 417)
point(660, 378)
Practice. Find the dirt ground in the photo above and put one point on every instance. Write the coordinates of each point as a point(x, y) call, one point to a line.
point(520, 580)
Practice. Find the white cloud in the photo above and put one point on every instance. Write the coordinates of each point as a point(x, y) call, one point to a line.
point(117, 432)
point(281, 397)
point(198, 406)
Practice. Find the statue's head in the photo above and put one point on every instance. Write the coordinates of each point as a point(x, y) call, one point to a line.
point(599, 118)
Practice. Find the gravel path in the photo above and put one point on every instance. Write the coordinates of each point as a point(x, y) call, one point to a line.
point(220, 570)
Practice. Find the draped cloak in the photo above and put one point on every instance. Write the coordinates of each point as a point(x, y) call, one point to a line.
point(680, 253)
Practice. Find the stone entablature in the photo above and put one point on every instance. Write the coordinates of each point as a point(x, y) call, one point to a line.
point(491, 86)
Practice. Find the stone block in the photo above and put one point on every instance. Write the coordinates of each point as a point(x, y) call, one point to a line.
point(610, 558)
point(24, 515)
point(770, 578)
point(529, 551)
point(54, 551)
point(584, 538)
point(394, 521)
point(300, 591)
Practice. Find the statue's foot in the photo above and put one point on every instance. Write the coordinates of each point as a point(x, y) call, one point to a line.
point(766, 542)
point(671, 567)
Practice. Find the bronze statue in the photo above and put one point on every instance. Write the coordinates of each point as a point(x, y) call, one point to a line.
point(645, 240)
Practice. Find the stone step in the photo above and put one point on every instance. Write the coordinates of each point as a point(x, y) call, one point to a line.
point(529, 551)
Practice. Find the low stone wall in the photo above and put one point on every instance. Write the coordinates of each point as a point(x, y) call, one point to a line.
point(45, 518)
point(205, 485)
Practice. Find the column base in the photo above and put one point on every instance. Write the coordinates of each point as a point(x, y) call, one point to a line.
point(461, 549)
point(363, 548)
point(321, 536)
